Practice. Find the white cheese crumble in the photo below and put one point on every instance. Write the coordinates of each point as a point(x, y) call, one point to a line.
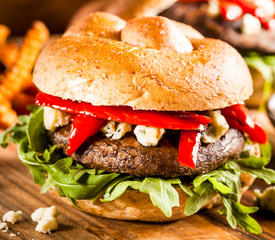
point(3, 225)
point(250, 24)
point(213, 9)
point(121, 130)
point(54, 118)
point(109, 129)
point(5, 230)
point(12, 216)
point(217, 129)
point(13, 235)
point(148, 136)
point(46, 219)
point(116, 130)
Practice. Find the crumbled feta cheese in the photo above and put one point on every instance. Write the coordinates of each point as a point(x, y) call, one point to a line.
point(109, 129)
point(41, 213)
point(116, 130)
point(121, 130)
point(217, 129)
point(13, 235)
point(5, 230)
point(250, 24)
point(148, 136)
point(54, 118)
point(46, 218)
point(46, 225)
point(3, 225)
point(12, 216)
point(213, 9)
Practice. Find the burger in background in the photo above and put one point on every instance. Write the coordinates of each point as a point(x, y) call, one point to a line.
point(248, 25)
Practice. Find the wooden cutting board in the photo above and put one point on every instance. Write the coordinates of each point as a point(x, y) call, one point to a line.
point(18, 192)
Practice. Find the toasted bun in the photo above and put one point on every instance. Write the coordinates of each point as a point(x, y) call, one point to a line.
point(136, 206)
point(148, 63)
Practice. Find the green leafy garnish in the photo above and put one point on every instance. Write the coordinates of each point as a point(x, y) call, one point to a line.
point(251, 161)
point(266, 66)
point(51, 168)
point(15, 133)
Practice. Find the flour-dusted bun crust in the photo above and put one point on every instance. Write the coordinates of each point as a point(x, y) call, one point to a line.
point(136, 206)
point(166, 66)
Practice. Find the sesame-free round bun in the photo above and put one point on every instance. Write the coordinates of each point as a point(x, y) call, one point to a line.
point(136, 206)
point(148, 63)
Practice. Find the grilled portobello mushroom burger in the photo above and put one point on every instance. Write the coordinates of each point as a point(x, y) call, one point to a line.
point(248, 25)
point(143, 120)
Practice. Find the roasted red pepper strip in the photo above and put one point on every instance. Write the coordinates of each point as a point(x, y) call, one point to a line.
point(188, 148)
point(168, 120)
point(230, 11)
point(82, 128)
point(240, 118)
point(268, 23)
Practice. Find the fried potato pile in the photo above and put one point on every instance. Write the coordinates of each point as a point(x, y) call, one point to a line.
point(16, 65)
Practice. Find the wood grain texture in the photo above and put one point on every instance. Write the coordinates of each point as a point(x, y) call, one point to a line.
point(17, 191)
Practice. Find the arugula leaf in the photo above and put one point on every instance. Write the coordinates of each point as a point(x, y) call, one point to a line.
point(36, 132)
point(237, 213)
point(266, 174)
point(202, 195)
point(162, 194)
point(119, 189)
point(16, 132)
point(111, 186)
point(48, 184)
point(38, 174)
point(228, 210)
point(222, 188)
point(186, 189)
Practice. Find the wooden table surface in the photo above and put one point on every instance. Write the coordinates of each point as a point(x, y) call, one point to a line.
point(18, 192)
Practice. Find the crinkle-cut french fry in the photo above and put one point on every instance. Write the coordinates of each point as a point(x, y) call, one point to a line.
point(15, 78)
point(9, 54)
point(8, 116)
point(28, 83)
point(4, 33)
